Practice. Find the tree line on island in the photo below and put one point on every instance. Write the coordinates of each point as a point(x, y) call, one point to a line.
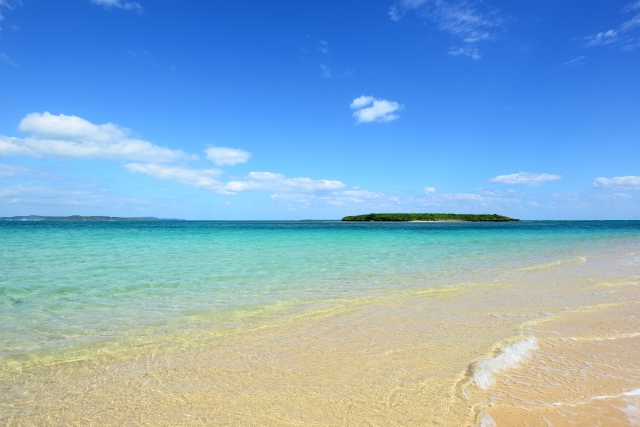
point(398, 217)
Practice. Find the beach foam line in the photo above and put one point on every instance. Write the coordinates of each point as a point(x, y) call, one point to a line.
point(484, 371)
point(630, 399)
point(633, 393)
point(578, 259)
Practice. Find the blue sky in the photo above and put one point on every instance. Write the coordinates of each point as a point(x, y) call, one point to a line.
point(319, 109)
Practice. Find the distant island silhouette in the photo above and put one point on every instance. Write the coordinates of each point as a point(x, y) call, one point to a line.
point(83, 218)
point(430, 217)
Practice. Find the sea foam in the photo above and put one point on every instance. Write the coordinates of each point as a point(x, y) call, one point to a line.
point(509, 357)
point(485, 420)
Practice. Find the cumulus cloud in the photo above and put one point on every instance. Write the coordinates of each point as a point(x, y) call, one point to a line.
point(126, 5)
point(368, 109)
point(429, 190)
point(525, 178)
point(619, 182)
point(254, 181)
point(227, 156)
point(64, 136)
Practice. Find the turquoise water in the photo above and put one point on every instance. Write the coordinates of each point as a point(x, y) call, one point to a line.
point(69, 283)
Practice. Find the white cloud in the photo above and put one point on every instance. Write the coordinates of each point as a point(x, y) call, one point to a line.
point(326, 72)
point(396, 201)
point(254, 181)
point(126, 5)
point(199, 178)
point(602, 38)
point(323, 46)
point(5, 58)
point(5, 4)
point(227, 156)
point(623, 35)
point(575, 61)
point(619, 182)
point(362, 101)
point(464, 19)
point(469, 51)
point(525, 178)
point(380, 110)
point(267, 181)
point(429, 190)
point(73, 137)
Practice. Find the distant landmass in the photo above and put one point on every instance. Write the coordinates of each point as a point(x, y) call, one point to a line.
point(397, 217)
point(82, 218)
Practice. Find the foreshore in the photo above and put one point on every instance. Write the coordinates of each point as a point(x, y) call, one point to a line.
point(551, 335)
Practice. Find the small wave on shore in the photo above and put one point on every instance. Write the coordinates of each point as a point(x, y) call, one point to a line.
point(509, 357)
point(574, 260)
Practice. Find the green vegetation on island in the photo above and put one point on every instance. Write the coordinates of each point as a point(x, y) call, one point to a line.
point(429, 217)
point(81, 218)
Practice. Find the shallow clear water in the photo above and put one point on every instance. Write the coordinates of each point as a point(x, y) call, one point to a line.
point(72, 290)
point(68, 282)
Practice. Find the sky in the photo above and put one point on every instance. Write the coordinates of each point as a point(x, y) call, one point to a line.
point(301, 109)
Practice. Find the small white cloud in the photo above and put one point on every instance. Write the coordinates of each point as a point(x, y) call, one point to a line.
point(619, 182)
point(326, 72)
point(8, 5)
point(469, 51)
point(623, 35)
point(525, 178)
point(199, 178)
point(73, 137)
point(268, 181)
point(469, 20)
point(602, 38)
point(5, 58)
point(323, 46)
point(573, 62)
point(126, 5)
point(380, 110)
point(227, 156)
point(429, 190)
point(631, 7)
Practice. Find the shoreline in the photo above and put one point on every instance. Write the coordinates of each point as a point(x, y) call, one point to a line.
point(394, 341)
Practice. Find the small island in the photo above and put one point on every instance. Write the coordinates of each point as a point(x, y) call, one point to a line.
point(430, 217)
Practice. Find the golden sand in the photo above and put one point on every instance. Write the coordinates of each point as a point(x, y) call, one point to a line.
point(414, 360)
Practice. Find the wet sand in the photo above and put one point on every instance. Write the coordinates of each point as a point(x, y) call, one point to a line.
point(449, 358)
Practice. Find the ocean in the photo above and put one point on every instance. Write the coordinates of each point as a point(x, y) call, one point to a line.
point(319, 323)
